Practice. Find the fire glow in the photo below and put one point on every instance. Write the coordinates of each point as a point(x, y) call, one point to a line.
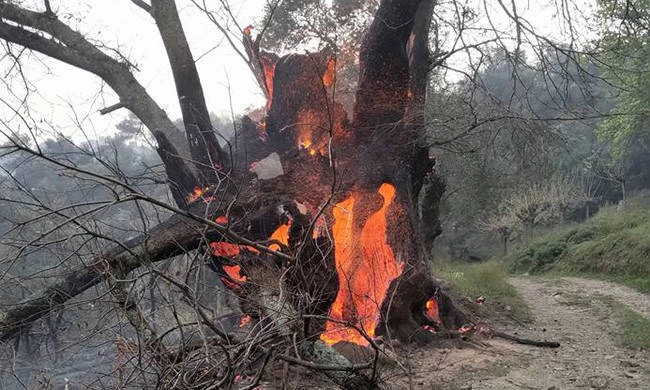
point(198, 193)
point(431, 310)
point(366, 265)
point(231, 251)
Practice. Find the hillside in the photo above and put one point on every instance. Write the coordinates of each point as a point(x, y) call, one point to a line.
point(613, 245)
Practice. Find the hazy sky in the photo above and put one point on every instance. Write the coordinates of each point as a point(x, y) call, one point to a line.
point(69, 98)
point(57, 87)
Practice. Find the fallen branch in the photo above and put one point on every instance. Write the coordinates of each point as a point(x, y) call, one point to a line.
point(518, 340)
point(182, 232)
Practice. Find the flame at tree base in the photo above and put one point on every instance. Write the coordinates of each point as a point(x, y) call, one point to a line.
point(365, 264)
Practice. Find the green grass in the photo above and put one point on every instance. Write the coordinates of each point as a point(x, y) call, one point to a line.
point(482, 279)
point(614, 245)
point(634, 328)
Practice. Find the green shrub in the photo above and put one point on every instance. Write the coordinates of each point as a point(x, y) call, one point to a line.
point(615, 244)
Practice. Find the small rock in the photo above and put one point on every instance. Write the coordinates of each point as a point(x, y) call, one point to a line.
point(466, 387)
point(629, 375)
point(599, 381)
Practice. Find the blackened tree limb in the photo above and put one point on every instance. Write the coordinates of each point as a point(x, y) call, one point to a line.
point(384, 68)
point(204, 147)
point(419, 58)
point(519, 340)
point(260, 63)
point(46, 34)
point(182, 232)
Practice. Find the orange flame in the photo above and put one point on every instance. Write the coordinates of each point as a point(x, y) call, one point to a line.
point(330, 73)
point(269, 72)
point(224, 249)
point(308, 121)
point(199, 193)
point(431, 310)
point(196, 194)
point(280, 234)
point(465, 328)
point(365, 270)
point(234, 271)
point(245, 320)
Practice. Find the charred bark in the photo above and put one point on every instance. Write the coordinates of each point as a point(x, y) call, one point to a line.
point(312, 278)
point(201, 137)
point(403, 311)
point(261, 63)
point(309, 131)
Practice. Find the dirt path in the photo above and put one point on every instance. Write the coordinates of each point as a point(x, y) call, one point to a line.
point(568, 310)
point(635, 300)
point(590, 356)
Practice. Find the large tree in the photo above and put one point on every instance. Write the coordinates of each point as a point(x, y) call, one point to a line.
point(371, 166)
point(303, 215)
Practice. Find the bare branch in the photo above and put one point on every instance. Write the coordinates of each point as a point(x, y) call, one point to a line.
point(142, 4)
point(111, 108)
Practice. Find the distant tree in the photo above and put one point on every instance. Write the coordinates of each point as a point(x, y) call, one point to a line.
point(626, 53)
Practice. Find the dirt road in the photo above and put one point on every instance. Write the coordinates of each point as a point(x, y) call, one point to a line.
point(569, 310)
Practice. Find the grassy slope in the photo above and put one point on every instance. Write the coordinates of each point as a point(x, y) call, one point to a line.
point(614, 245)
point(483, 279)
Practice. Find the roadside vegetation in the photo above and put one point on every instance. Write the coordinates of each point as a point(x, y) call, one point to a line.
point(635, 328)
point(613, 245)
point(487, 280)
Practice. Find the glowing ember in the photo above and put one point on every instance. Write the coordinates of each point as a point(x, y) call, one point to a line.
point(429, 328)
point(330, 73)
point(304, 144)
point(224, 249)
point(465, 328)
point(281, 235)
point(197, 194)
point(245, 320)
point(234, 272)
point(269, 72)
point(365, 270)
point(308, 124)
point(431, 310)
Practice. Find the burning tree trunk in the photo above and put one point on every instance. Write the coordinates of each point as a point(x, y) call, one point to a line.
point(360, 182)
point(343, 192)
